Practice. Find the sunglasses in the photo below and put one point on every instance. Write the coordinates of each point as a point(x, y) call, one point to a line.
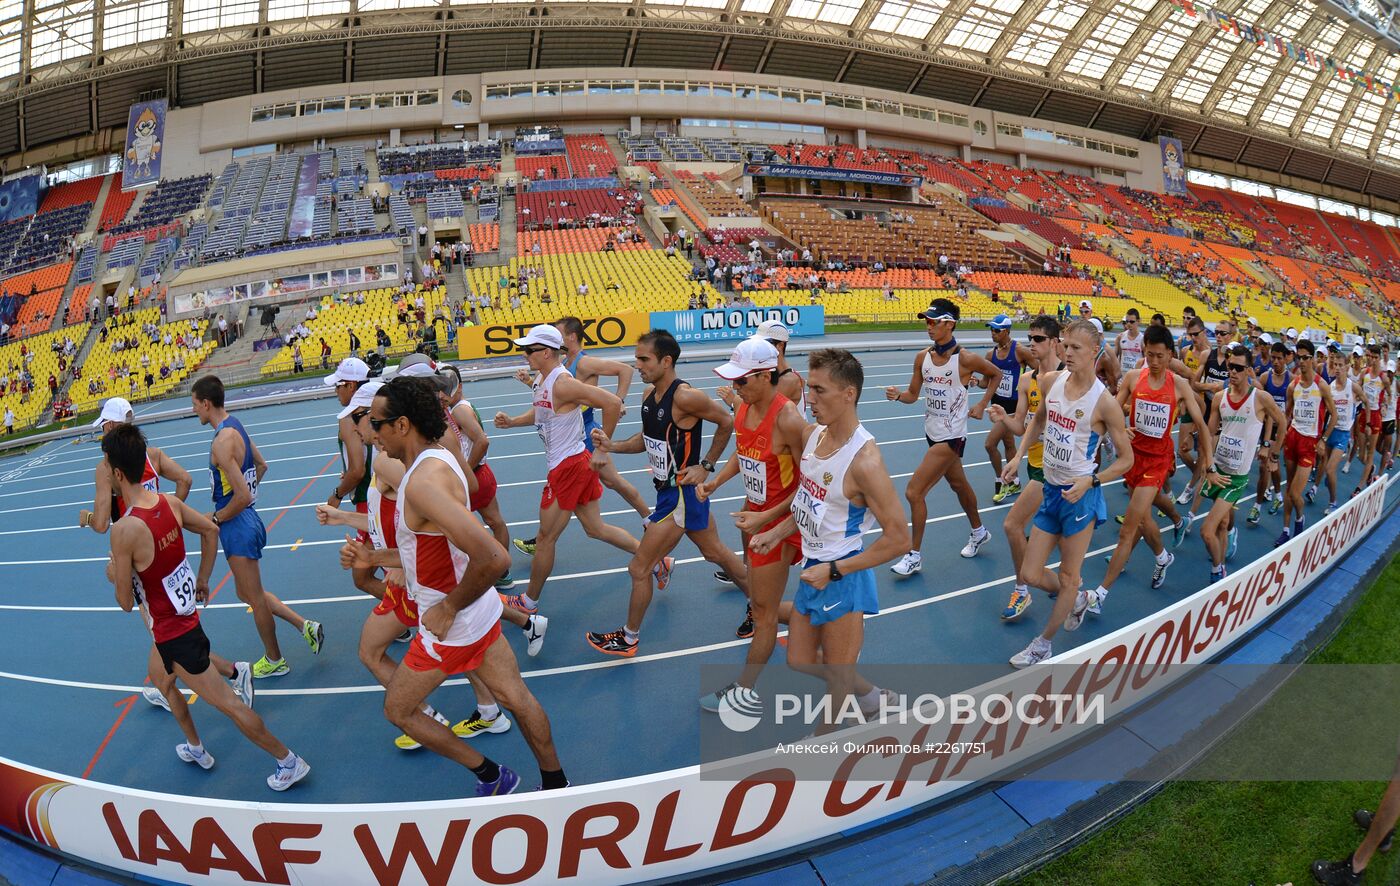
point(1130, 322)
point(1196, 332)
point(1038, 339)
point(358, 414)
point(378, 423)
point(1237, 367)
point(534, 349)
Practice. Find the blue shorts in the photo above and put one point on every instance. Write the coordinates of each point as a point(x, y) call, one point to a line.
point(680, 501)
point(588, 425)
point(244, 535)
point(1339, 439)
point(1058, 517)
point(855, 592)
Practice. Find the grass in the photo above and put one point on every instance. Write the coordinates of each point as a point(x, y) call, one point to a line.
point(1260, 833)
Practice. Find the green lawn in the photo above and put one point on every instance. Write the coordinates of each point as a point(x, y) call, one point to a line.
point(1261, 833)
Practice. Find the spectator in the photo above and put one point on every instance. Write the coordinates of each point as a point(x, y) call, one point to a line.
point(325, 354)
point(296, 357)
point(9, 420)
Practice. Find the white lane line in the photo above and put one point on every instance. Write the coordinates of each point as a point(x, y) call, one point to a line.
point(71, 504)
point(566, 669)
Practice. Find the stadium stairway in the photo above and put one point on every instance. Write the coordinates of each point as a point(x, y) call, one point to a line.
point(506, 247)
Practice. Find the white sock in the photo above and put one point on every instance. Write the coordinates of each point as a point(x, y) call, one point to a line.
point(1101, 592)
point(288, 761)
point(1020, 587)
point(1164, 556)
point(525, 598)
point(1040, 643)
point(488, 711)
point(629, 635)
point(429, 710)
point(870, 701)
point(197, 750)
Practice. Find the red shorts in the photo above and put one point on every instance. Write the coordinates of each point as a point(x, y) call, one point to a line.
point(1373, 420)
point(450, 659)
point(362, 507)
point(485, 487)
point(1300, 450)
point(1150, 469)
point(399, 604)
point(789, 551)
point(571, 483)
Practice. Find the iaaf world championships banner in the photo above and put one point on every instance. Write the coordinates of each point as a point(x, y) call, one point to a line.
point(667, 824)
point(835, 173)
point(1283, 46)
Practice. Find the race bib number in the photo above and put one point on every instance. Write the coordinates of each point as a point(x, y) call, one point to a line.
point(755, 472)
point(659, 456)
point(937, 401)
point(1305, 415)
point(1130, 360)
point(807, 512)
point(1004, 386)
point(1151, 418)
point(250, 477)
point(1230, 453)
point(179, 587)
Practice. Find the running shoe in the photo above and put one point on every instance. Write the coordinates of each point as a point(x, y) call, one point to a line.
point(735, 697)
point(515, 601)
point(1159, 571)
point(1217, 575)
point(505, 583)
point(662, 572)
point(1185, 497)
point(1282, 538)
point(1018, 604)
point(540, 787)
point(1275, 505)
point(284, 777)
point(534, 634)
point(1096, 602)
point(1363, 817)
point(1081, 606)
point(407, 742)
point(1009, 490)
point(203, 759)
point(1118, 519)
point(1180, 531)
point(243, 682)
point(1034, 654)
point(1311, 493)
point(745, 630)
point(478, 725)
point(909, 564)
point(1331, 506)
point(1298, 525)
point(1232, 543)
point(406, 636)
point(505, 784)
point(155, 697)
point(611, 643)
point(1346, 468)
point(1336, 873)
point(313, 634)
point(723, 577)
point(1253, 518)
point(975, 542)
point(263, 668)
point(524, 545)
point(999, 495)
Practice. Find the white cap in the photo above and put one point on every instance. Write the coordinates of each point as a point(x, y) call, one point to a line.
point(543, 334)
point(772, 330)
point(115, 409)
point(350, 369)
point(1252, 321)
point(752, 355)
point(1098, 324)
point(416, 366)
point(1266, 339)
point(1085, 303)
point(1358, 351)
point(364, 396)
point(1290, 333)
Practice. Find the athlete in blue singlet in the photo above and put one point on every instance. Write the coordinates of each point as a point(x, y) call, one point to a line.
point(1273, 380)
point(236, 467)
point(1005, 357)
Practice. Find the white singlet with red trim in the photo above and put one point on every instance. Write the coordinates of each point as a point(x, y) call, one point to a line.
point(1344, 402)
point(562, 434)
point(433, 566)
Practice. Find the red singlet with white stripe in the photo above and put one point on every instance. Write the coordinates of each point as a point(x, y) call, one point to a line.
point(165, 588)
point(1154, 415)
point(149, 480)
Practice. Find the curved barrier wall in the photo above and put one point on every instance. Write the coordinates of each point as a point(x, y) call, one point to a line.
point(666, 824)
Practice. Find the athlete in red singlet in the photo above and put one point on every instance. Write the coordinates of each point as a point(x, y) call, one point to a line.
point(149, 569)
point(770, 434)
point(107, 505)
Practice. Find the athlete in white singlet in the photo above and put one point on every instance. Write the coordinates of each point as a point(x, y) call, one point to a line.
point(1310, 419)
point(1077, 413)
point(941, 374)
point(1352, 416)
point(1128, 346)
point(572, 485)
point(449, 562)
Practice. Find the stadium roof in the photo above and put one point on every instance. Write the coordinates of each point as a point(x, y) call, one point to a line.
point(1133, 67)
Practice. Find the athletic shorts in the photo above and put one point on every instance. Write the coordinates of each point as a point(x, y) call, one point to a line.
point(1232, 491)
point(190, 651)
point(1150, 470)
point(1388, 427)
point(362, 507)
point(1059, 517)
point(588, 427)
point(855, 592)
point(1339, 439)
point(787, 552)
point(485, 487)
point(1035, 474)
point(1300, 450)
point(1007, 403)
point(690, 512)
point(1374, 421)
point(957, 444)
point(398, 603)
point(243, 535)
point(572, 483)
point(424, 656)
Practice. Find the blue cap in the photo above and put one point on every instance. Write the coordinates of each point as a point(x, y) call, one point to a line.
point(1000, 321)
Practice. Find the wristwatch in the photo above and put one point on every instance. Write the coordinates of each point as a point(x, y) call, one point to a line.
point(215, 517)
point(1094, 478)
point(707, 465)
point(833, 571)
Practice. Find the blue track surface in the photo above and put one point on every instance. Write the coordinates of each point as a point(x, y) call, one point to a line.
point(73, 660)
